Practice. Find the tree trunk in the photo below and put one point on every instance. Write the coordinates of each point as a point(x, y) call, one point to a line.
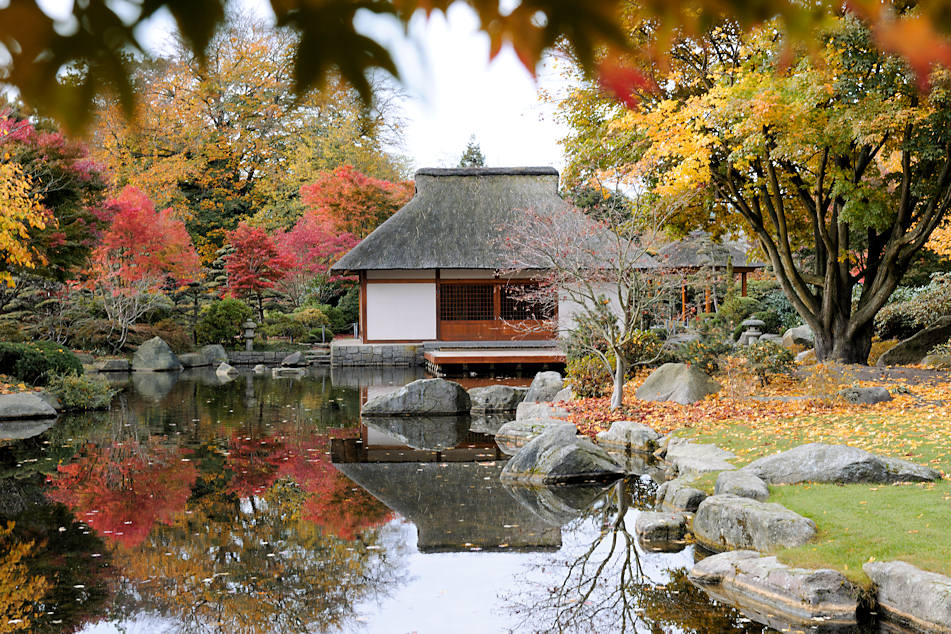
point(836, 344)
point(620, 369)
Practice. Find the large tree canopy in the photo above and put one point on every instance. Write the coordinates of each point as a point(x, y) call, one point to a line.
point(92, 43)
point(832, 160)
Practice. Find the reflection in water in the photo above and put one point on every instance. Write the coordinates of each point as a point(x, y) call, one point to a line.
point(428, 433)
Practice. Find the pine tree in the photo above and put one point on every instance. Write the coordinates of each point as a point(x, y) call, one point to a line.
point(472, 156)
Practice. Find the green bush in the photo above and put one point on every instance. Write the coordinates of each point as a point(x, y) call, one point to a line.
point(768, 359)
point(768, 317)
point(282, 325)
point(588, 377)
point(79, 392)
point(910, 310)
point(339, 321)
point(220, 322)
point(704, 354)
point(737, 308)
point(349, 305)
point(35, 362)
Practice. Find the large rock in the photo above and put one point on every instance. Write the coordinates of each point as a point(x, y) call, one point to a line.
point(225, 370)
point(729, 522)
point(912, 596)
point(155, 356)
point(528, 411)
point(544, 387)
point(865, 395)
point(214, 353)
point(688, 458)
point(767, 588)
point(741, 483)
point(627, 436)
point(558, 456)
point(425, 397)
point(193, 360)
point(427, 433)
point(288, 373)
point(661, 531)
point(799, 336)
point(840, 464)
point(294, 360)
point(677, 382)
point(113, 365)
point(678, 496)
point(496, 398)
point(563, 395)
point(937, 361)
point(514, 435)
point(24, 405)
point(917, 347)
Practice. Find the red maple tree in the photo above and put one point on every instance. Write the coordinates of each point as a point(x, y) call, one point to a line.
point(311, 247)
point(255, 266)
point(352, 202)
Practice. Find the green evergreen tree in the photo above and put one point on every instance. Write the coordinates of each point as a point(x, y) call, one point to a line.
point(472, 156)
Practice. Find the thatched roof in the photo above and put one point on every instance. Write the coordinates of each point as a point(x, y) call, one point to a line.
point(455, 219)
point(698, 250)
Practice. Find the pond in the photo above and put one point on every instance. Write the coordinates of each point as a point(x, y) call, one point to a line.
point(263, 505)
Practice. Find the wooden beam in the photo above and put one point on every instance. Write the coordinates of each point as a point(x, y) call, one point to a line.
point(743, 283)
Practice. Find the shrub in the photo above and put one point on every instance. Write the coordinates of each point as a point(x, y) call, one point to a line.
point(916, 309)
point(769, 317)
point(220, 322)
point(349, 305)
point(941, 348)
point(767, 359)
point(79, 392)
point(704, 354)
point(588, 377)
point(339, 322)
point(282, 325)
point(35, 362)
point(771, 297)
point(737, 308)
point(177, 336)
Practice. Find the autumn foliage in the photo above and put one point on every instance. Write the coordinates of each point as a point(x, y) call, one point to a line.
point(310, 248)
point(351, 202)
point(255, 265)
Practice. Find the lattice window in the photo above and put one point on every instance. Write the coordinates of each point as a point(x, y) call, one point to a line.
point(466, 302)
point(518, 303)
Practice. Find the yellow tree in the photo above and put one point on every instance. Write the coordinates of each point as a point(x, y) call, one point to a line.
point(19, 212)
point(19, 590)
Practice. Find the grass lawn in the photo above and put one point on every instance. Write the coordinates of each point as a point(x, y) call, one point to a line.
point(856, 522)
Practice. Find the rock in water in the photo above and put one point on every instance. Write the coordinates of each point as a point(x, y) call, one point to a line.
point(837, 464)
point(155, 356)
point(626, 435)
point(917, 347)
point(728, 522)
point(661, 531)
point(865, 395)
point(688, 458)
point(259, 369)
point(294, 360)
point(214, 353)
point(799, 336)
point(24, 405)
point(677, 382)
point(497, 398)
point(113, 365)
point(558, 456)
point(752, 582)
point(530, 411)
point(544, 387)
point(514, 435)
point(911, 595)
point(225, 370)
point(741, 483)
point(677, 495)
point(193, 360)
point(431, 397)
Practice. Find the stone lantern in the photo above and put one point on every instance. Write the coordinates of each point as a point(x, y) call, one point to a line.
point(249, 327)
point(753, 331)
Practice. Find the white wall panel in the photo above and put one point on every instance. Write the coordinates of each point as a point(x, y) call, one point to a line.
point(401, 312)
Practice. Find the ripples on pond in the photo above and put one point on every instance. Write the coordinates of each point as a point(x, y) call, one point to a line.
point(262, 505)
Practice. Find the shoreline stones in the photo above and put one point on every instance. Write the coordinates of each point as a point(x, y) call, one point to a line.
point(677, 382)
point(767, 587)
point(688, 458)
point(627, 436)
point(677, 495)
point(424, 397)
point(741, 484)
point(529, 410)
point(155, 356)
point(544, 387)
point(728, 522)
point(839, 464)
point(662, 532)
point(496, 398)
point(911, 596)
point(113, 365)
point(514, 435)
point(559, 456)
point(25, 406)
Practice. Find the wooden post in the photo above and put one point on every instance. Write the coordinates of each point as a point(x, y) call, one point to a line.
point(363, 306)
point(743, 283)
point(706, 299)
point(438, 308)
point(683, 301)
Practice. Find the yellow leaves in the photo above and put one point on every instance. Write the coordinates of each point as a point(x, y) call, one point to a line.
point(19, 590)
point(20, 211)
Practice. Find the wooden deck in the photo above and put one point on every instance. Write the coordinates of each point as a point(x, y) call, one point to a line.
point(444, 361)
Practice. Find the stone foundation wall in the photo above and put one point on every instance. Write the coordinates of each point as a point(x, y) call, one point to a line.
point(243, 357)
point(376, 354)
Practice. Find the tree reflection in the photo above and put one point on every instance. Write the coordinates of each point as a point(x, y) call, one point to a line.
point(603, 586)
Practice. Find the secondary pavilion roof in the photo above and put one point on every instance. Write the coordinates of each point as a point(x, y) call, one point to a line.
point(456, 218)
point(697, 251)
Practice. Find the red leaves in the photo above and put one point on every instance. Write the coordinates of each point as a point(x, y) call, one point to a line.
point(351, 202)
point(256, 264)
point(623, 82)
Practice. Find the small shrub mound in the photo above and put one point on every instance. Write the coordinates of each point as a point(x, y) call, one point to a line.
point(767, 359)
point(34, 363)
point(220, 322)
point(588, 377)
point(704, 354)
point(79, 392)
